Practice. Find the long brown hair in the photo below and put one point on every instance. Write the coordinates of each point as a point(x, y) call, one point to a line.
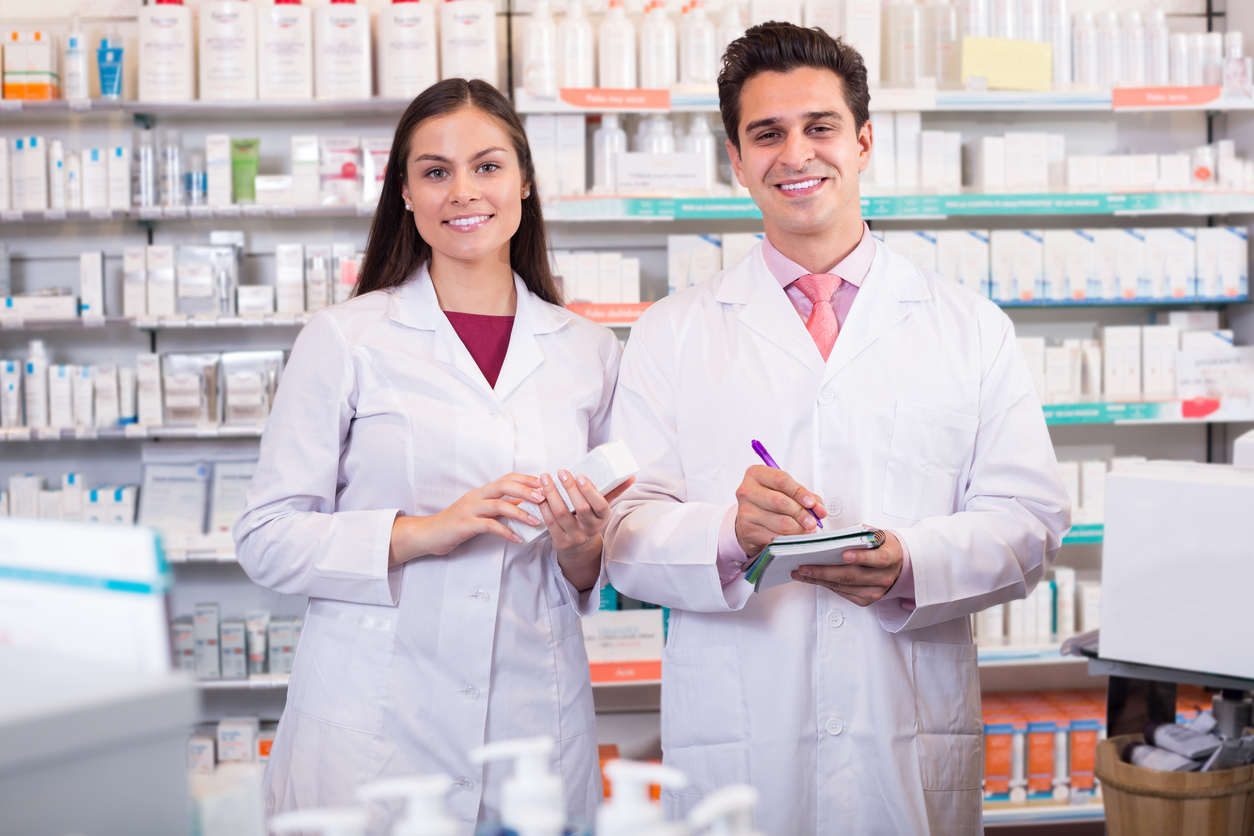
point(395, 250)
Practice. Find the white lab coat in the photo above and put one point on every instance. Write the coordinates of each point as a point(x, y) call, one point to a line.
point(924, 420)
point(401, 671)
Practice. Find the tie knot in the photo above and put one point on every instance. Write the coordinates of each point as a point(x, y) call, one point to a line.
point(818, 287)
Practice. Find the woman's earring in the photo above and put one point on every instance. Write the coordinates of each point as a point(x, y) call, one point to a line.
point(408, 208)
point(527, 194)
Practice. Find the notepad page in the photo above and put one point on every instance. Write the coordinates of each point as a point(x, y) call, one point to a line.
point(779, 570)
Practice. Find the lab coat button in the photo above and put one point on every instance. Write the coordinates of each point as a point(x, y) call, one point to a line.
point(466, 784)
point(826, 396)
point(482, 596)
point(836, 618)
point(835, 726)
point(834, 507)
point(472, 693)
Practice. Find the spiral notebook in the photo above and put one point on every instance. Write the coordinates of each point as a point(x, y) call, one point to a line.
point(823, 548)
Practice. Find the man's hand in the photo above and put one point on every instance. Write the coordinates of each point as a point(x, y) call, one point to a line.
point(771, 504)
point(872, 573)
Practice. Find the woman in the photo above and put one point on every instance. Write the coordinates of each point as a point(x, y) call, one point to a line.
point(410, 421)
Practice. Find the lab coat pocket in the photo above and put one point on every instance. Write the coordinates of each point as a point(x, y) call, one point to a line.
point(341, 668)
point(947, 705)
point(574, 687)
point(703, 698)
point(928, 451)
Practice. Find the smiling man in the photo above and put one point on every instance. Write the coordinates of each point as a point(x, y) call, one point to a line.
point(889, 397)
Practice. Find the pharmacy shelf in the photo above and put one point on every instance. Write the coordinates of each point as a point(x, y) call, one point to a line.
point(1199, 411)
point(186, 213)
point(12, 110)
point(129, 431)
point(15, 109)
point(1017, 655)
point(256, 682)
point(1091, 533)
point(156, 323)
point(1043, 814)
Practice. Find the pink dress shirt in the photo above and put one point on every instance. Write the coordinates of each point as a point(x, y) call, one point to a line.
point(853, 270)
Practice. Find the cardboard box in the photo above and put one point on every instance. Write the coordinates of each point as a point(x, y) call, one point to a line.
point(208, 655)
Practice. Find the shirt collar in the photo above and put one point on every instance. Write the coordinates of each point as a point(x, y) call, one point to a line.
point(853, 268)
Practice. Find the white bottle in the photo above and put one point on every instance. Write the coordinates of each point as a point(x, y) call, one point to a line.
point(608, 141)
point(1004, 19)
point(228, 51)
point(342, 51)
point(1157, 50)
point(328, 821)
point(468, 40)
point(167, 53)
point(943, 57)
point(35, 383)
point(284, 52)
point(1213, 59)
point(1109, 50)
point(1031, 20)
point(617, 49)
point(1086, 71)
point(1133, 50)
point(730, 28)
point(532, 787)
point(658, 49)
point(425, 813)
point(905, 43)
point(1197, 59)
point(1181, 59)
point(408, 59)
point(576, 49)
point(727, 811)
point(1058, 33)
point(631, 810)
point(74, 64)
point(701, 141)
point(974, 18)
point(658, 136)
point(698, 52)
point(540, 53)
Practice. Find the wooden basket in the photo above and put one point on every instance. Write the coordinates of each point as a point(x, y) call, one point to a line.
point(1146, 802)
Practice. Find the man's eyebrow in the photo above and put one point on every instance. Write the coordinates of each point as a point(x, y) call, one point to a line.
point(809, 117)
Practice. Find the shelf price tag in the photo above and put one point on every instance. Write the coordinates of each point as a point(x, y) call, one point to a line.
point(11, 215)
point(226, 211)
point(79, 105)
point(12, 323)
point(54, 214)
point(86, 433)
point(10, 105)
point(283, 211)
point(174, 212)
point(200, 211)
point(48, 433)
point(100, 214)
point(19, 433)
point(253, 210)
point(207, 430)
point(135, 431)
point(149, 213)
point(93, 320)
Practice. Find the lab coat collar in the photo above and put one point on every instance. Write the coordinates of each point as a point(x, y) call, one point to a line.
point(414, 304)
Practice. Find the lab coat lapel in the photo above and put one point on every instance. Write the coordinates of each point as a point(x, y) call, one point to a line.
point(533, 317)
point(767, 310)
point(881, 304)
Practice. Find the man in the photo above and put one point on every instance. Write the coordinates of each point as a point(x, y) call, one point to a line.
point(889, 397)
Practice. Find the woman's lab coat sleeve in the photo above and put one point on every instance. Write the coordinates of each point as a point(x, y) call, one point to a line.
point(290, 537)
point(659, 547)
point(1012, 515)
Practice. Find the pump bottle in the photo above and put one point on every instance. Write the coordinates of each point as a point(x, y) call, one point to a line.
point(531, 799)
point(284, 52)
point(342, 51)
point(540, 53)
point(700, 140)
point(328, 821)
point(408, 63)
point(576, 49)
point(617, 49)
point(657, 49)
point(228, 51)
point(697, 53)
point(608, 141)
point(631, 810)
point(424, 804)
point(468, 40)
point(729, 29)
point(727, 812)
point(167, 53)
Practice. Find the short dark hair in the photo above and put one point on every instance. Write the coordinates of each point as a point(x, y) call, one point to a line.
point(775, 47)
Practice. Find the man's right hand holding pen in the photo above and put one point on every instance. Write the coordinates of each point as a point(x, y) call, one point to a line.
point(771, 504)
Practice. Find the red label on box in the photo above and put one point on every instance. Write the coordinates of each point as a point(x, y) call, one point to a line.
point(1164, 96)
point(607, 312)
point(626, 671)
point(604, 98)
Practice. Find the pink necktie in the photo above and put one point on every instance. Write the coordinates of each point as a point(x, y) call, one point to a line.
point(822, 325)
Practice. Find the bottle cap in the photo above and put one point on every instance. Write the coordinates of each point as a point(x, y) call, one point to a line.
point(631, 808)
point(425, 814)
point(727, 812)
point(329, 821)
point(344, 1)
point(287, 2)
point(169, 2)
point(532, 786)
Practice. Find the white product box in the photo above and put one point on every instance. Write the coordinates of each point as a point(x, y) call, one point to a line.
point(237, 739)
point(161, 296)
point(1222, 262)
point(95, 178)
point(61, 395)
point(665, 174)
point(274, 190)
point(571, 139)
point(631, 281)
point(282, 640)
point(617, 637)
point(318, 261)
point(254, 299)
point(991, 624)
point(1159, 344)
point(50, 505)
point(72, 495)
point(1217, 340)
point(1055, 244)
point(690, 260)
point(1064, 601)
point(970, 249)
point(564, 266)
point(1017, 260)
point(201, 753)
point(84, 395)
point(932, 159)
point(1027, 161)
point(134, 281)
point(606, 467)
point(218, 173)
point(375, 152)
point(1170, 261)
point(1070, 472)
point(119, 170)
point(5, 172)
point(609, 278)
point(39, 307)
point(587, 284)
point(1121, 352)
point(24, 494)
point(1060, 385)
point(883, 165)
point(1114, 173)
point(1143, 172)
point(1057, 153)
point(35, 167)
point(1044, 594)
point(1088, 605)
point(1106, 263)
point(339, 170)
point(148, 389)
point(1016, 618)
point(234, 653)
point(1131, 278)
point(1190, 320)
point(1082, 174)
point(106, 402)
point(542, 137)
point(1033, 349)
point(918, 246)
point(208, 657)
point(1173, 173)
point(91, 283)
point(183, 642)
point(289, 278)
point(1093, 490)
point(952, 181)
point(306, 181)
point(1091, 371)
point(909, 127)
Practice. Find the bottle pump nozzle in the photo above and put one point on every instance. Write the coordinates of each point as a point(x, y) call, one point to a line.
point(533, 786)
point(424, 804)
point(329, 821)
point(630, 809)
point(728, 812)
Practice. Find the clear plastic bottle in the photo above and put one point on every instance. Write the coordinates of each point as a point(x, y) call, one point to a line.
point(576, 49)
point(1004, 19)
point(1157, 50)
point(1086, 71)
point(1133, 50)
point(730, 28)
point(944, 55)
point(195, 179)
point(144, 170)
point(658, 49)
point(1181, 59)
point(658, 136)
point(698, 53)
point(1031, 20)
point(540, 53)
point(617, 49)
point(1213, 60)
point(1058, 33)
point(172, 191)
point(905, 44)
point(1109, 49)
point(974, 15)
point(74, 64)
point(608, 141)
point(700, 140)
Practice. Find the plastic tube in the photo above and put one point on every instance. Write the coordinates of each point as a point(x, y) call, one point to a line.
point(172, 189)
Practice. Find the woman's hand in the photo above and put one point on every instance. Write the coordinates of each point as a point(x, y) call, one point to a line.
point(478, 512)
point(577, 535)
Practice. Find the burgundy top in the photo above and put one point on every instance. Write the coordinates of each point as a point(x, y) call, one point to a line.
point(486, 338)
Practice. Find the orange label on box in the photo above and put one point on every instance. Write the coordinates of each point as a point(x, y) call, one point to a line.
point(604, 98)
point(1164, 96)
point(997, 763)
point(609, 312)
point(1083, 758)
point(263, 746)
point(1040, 762)
point(626, 671)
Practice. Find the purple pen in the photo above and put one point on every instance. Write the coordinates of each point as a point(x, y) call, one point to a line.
point(770, 462)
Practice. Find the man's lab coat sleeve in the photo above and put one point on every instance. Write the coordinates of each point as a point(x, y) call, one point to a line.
point(1013, 513)
point(290, 538)
point(660, 547)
